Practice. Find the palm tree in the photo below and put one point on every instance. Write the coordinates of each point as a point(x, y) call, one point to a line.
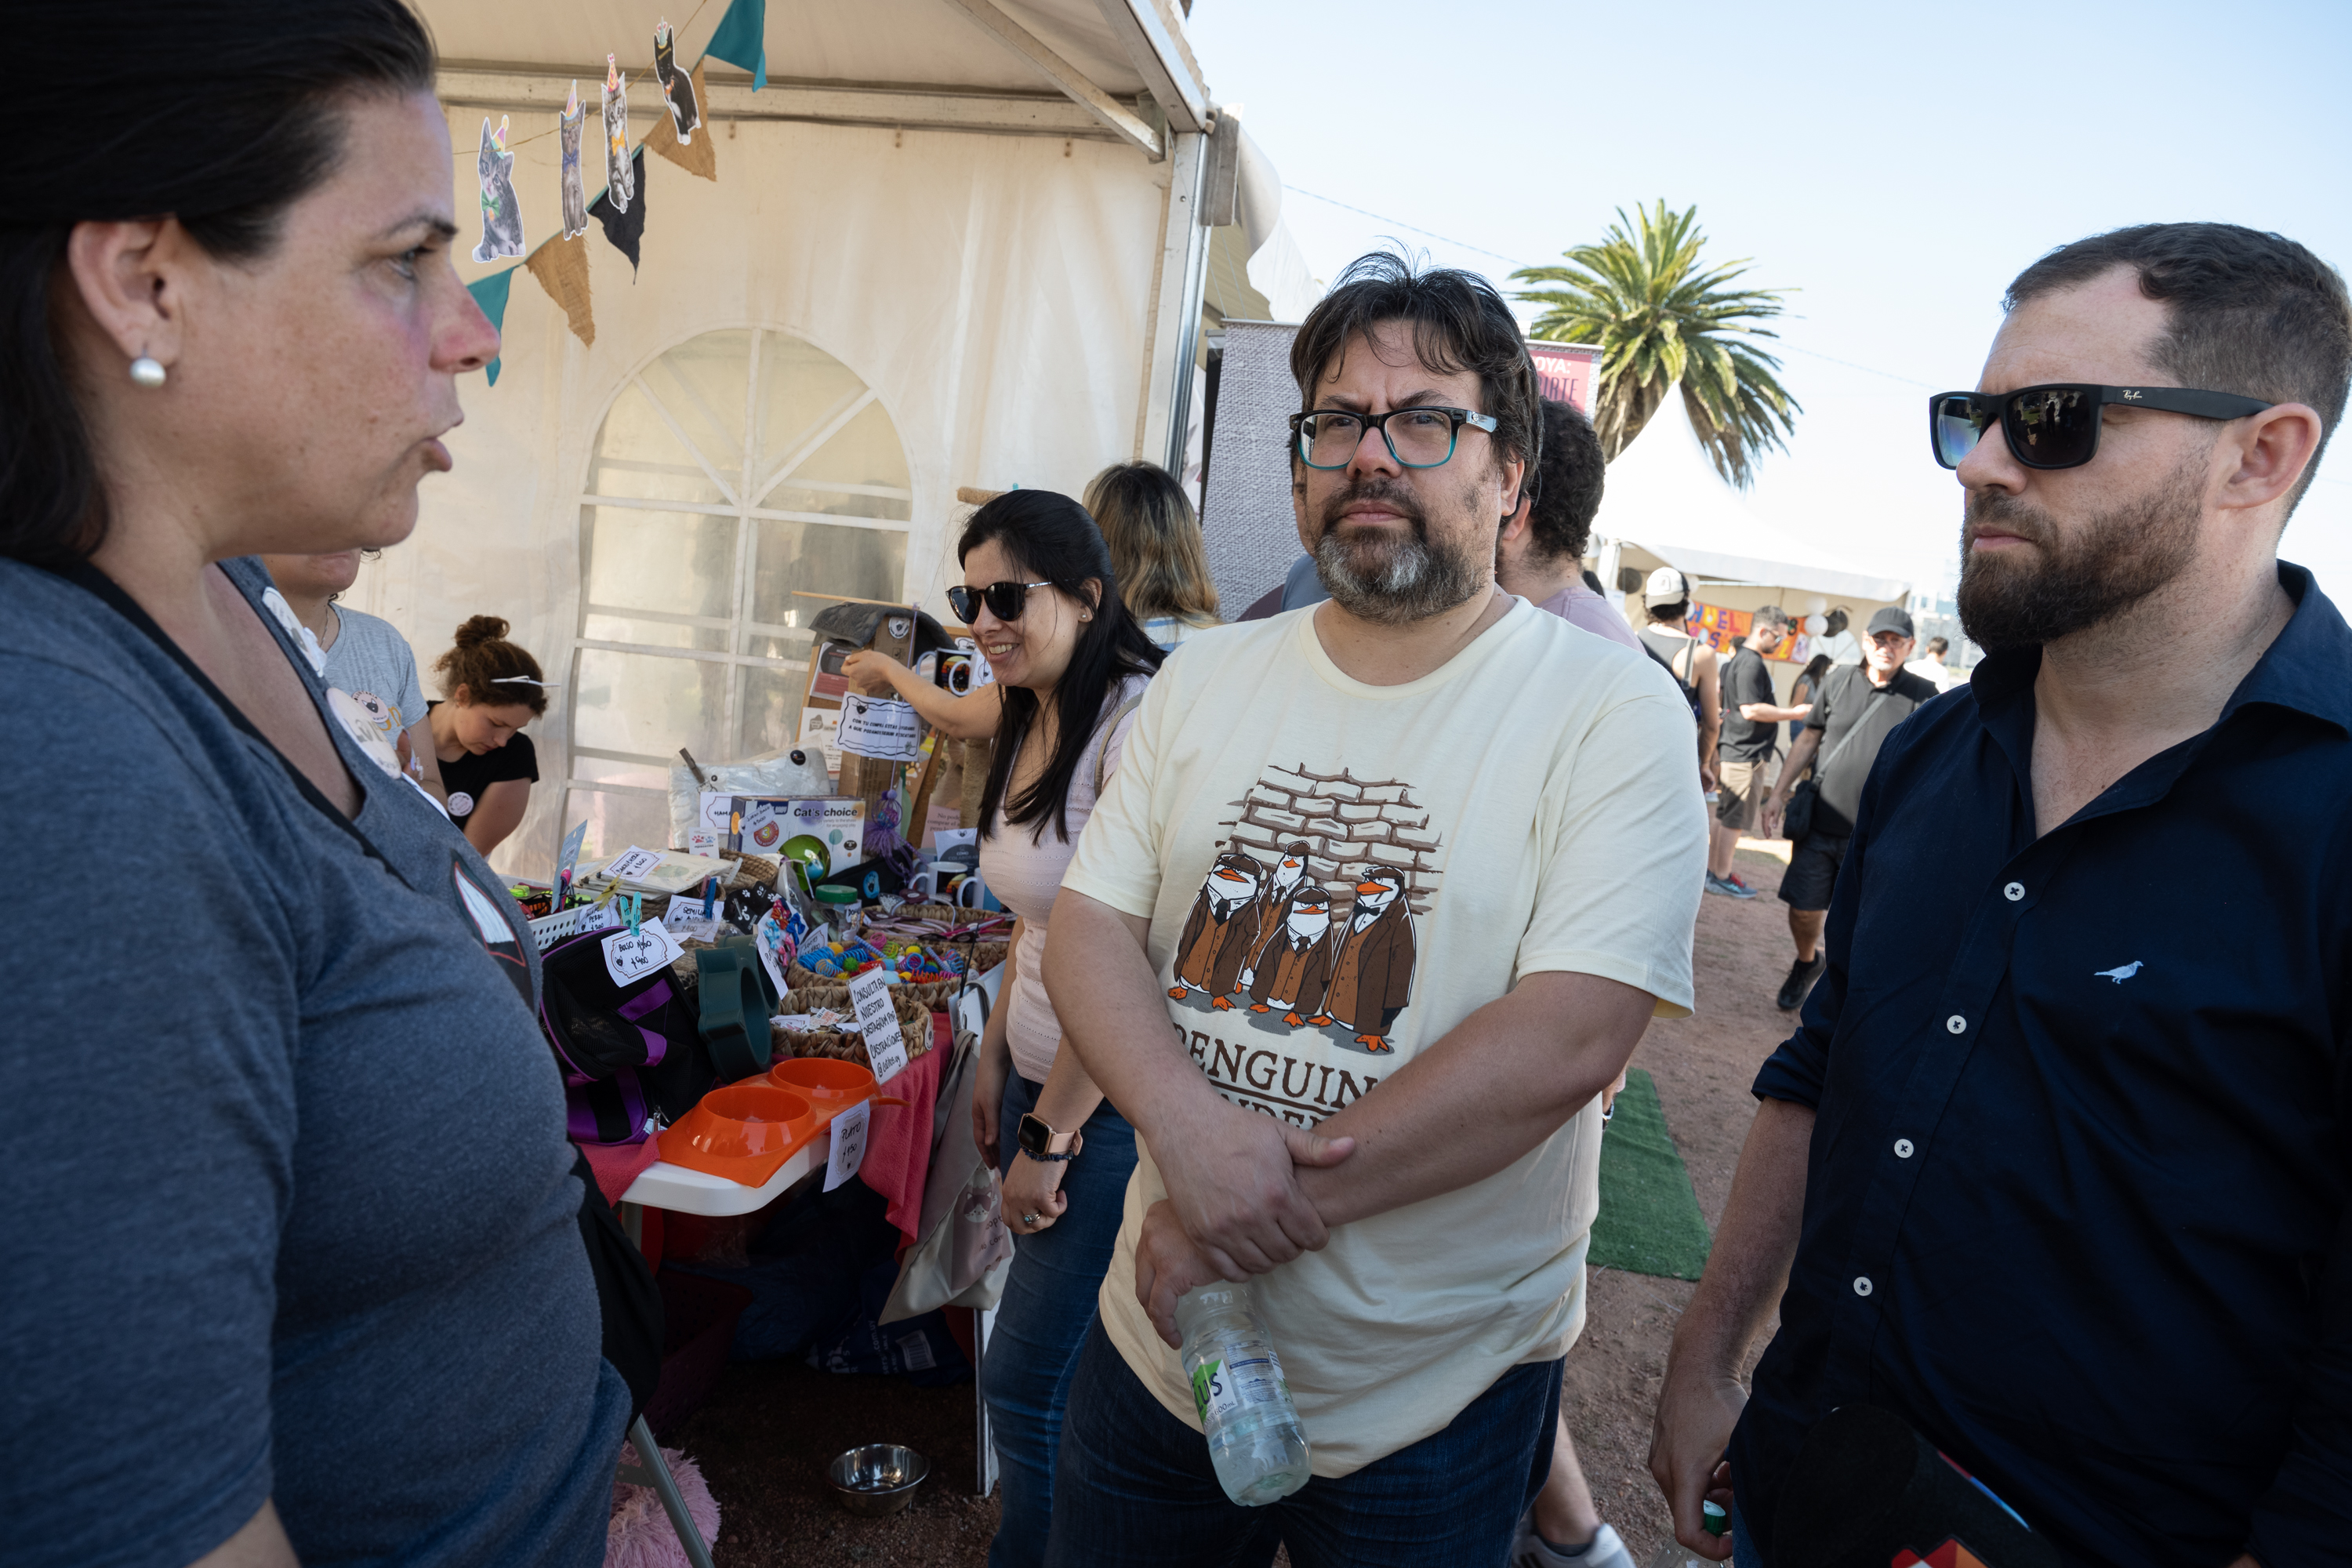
point(1660, 316)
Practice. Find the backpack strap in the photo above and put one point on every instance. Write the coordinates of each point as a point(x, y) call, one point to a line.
point(1110, 728)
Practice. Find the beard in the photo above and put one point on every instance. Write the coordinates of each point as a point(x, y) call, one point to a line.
point(1392, 579)
point(2078, 576)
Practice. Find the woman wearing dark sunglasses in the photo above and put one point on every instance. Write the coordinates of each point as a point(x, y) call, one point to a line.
point(1071, 663)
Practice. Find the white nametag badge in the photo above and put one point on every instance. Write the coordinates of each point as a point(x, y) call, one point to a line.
point(632, 863)
point(631, 954)
point(881, 727)
point(848, 1150)
point(885, 1047)
point(361, 724)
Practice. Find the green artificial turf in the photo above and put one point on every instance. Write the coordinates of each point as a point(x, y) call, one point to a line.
point(1649, 1221)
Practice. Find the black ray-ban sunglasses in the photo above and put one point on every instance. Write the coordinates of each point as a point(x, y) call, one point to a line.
point(1006, 601)
point(2057, 426)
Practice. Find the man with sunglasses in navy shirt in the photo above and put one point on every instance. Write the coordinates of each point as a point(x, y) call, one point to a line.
point(2066, 1187)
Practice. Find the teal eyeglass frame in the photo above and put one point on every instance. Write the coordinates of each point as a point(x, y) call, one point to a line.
point(1302, 438)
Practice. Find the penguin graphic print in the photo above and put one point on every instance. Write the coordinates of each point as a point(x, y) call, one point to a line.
point(1218, 936)
point(1305, 928)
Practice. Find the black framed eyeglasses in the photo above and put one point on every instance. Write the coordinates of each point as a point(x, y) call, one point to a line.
point(1416, 438)
point(2057, 426)
point(1006, 601)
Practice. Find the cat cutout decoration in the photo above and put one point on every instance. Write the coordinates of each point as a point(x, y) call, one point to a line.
point(620, 174)
point(677, 87)
point(575, 196)
point(501, 211)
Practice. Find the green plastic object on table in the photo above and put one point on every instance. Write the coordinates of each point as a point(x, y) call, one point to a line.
point(733, 989)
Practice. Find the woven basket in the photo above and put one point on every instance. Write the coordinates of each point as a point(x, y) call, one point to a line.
point(759, 870)
point(820, 990)
point(914, 1027)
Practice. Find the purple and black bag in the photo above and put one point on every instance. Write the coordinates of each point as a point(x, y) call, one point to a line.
point(629, 1053)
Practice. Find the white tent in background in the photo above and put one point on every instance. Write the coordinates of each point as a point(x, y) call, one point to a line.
point(1664, 504)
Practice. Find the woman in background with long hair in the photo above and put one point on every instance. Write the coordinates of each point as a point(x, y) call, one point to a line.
point(1156, 549)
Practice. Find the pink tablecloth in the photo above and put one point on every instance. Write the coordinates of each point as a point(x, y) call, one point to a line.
point(899, 1146)
point(617, 1166)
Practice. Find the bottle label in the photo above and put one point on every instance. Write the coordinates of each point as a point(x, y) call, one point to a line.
point(1213, 1390)
point(1222, 1388)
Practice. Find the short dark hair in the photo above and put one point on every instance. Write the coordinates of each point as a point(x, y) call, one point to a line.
point(1566, 487)
point(136, 128)
point(1459, 323)
point(2250, 313)
point(1938, 645)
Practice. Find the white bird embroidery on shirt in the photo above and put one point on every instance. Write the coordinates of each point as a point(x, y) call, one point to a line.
point(2118, 976)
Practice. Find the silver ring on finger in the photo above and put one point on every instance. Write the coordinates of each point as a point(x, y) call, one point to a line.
point(1030, 1220)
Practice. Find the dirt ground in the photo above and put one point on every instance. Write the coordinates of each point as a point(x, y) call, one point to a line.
point(763, 1439)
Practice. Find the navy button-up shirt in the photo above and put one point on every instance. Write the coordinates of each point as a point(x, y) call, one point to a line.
point(2077, 1199)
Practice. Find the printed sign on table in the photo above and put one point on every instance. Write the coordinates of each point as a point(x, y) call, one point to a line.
point(632, 863)
point(885, 1047)
point(883, 728)
point(848, 1150)
point(630, 954)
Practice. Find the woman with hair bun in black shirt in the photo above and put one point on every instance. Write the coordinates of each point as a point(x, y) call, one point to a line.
point(490, 689)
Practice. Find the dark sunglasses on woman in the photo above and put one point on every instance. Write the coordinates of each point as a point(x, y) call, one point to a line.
point(2057, 426)
point(1006, 601)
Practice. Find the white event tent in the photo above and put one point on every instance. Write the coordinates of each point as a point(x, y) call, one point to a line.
point(1664, 505)
point(948, 244)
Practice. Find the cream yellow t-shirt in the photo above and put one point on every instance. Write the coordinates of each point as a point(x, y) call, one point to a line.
point(1336, 875)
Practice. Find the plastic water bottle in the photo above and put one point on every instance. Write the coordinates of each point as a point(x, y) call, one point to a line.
point(1255, 1443)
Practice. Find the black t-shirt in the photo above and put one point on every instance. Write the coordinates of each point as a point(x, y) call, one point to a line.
point(1745, 679)
point(1855, 718)
point(470, 776)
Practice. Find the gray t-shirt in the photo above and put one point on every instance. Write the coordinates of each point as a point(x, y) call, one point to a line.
point(373, 662)
point(290, 1209)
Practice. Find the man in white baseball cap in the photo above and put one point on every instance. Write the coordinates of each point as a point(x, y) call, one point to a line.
point(1666, 597)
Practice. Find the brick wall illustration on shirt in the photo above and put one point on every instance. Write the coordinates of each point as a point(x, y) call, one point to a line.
point(1305, 921)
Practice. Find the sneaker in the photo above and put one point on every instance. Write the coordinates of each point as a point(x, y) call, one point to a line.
point(1531, 1551)
point(1738, 881)
point(1802, 975)
point(1727, 887)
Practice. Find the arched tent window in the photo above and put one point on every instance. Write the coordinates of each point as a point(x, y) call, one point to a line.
point(737, 467)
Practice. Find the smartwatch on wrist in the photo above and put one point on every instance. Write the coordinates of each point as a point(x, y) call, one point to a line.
point(1040, 1142)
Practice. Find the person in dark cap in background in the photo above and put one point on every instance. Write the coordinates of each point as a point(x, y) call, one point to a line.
point(1858, 708)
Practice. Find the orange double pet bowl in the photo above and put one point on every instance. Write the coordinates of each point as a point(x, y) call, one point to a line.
point(829, 1086)
point(743, 1132)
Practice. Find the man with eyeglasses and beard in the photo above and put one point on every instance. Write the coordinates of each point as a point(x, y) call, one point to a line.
point(1498, 813)
point(2064, 1186)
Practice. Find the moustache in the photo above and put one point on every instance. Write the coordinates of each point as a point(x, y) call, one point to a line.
point(2014, 517)
point(1391, 493)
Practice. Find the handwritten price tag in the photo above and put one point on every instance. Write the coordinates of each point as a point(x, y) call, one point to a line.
point(848, 1150)
point(629, 955)
point(632, 863)
point(885, 1047)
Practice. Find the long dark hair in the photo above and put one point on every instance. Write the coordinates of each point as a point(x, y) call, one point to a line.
point(1051, 539)
point(1815, 667)
point(220, 113)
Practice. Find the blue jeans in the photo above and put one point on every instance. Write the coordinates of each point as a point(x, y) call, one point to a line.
point(1135, 1485)
point(1049, 1299)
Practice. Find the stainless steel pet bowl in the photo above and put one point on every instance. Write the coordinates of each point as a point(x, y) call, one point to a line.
point(879, 1480)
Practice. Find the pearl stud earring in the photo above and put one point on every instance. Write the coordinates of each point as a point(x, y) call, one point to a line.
point(147, 370)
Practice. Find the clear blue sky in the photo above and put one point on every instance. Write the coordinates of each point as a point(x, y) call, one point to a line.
point(1898, 164)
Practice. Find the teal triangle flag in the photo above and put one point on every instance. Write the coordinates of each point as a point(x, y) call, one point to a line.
point(742, 39)
point(490, 294)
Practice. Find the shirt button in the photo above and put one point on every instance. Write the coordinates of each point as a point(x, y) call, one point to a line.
point(1861, 1284)
point(2014, 891)
point(1957, 1024)
point(1903, 1148)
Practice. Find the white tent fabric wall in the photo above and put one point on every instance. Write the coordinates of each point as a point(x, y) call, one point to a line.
point(1664, 495)
point(992, 290)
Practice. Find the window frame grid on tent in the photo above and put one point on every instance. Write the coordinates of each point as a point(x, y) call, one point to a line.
point(740, 480)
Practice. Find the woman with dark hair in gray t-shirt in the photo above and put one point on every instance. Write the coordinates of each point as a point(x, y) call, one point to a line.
point(294, 1261)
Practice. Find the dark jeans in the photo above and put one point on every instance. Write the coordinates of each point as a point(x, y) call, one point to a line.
point(1049, 1299)
point(1135, 1487)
